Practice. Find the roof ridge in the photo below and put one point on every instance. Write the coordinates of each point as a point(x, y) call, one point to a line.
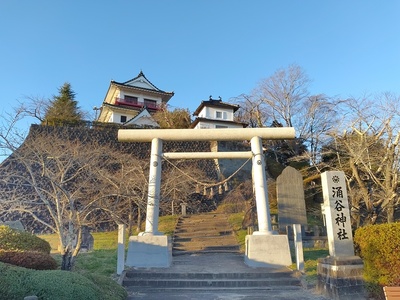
point(141, 74)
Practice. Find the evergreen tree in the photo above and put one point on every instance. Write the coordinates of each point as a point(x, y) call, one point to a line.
point(63, 108)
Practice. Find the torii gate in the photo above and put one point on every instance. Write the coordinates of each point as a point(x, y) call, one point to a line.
point(152, 249)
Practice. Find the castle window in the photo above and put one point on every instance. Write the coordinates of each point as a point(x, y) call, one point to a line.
point(218, 114)
point(131, 99)
point(150, 103)
point(123, 119)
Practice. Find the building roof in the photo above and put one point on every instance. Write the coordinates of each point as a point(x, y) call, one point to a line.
point(143, 118)
point(140, 82)
point(197, 120)
point(215, 103)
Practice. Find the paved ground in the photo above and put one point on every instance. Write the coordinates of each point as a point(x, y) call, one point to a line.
point(221, 263)
point(250, 295)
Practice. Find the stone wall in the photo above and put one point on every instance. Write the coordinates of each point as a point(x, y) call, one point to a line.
point(226, 167)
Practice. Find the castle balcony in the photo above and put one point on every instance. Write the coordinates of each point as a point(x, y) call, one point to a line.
point(149, 104)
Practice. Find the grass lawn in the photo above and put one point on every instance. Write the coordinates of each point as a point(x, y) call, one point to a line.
point(311, 256)
point(236, 222)
point(103, 259)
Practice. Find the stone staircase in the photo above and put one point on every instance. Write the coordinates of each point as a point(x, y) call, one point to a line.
point(147, 284)
point(207, 264)
point(204, 233)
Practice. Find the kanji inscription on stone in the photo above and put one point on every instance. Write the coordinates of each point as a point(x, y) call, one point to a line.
point(337, 213)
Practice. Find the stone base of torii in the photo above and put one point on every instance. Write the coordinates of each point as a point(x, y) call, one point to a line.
point(263, 248)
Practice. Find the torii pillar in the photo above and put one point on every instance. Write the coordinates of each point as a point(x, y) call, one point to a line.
point(152, 249)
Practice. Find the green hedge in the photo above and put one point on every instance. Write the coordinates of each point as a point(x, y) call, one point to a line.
point(17, 283)
point(12, 239)
point(379, 246)
point(29, 259)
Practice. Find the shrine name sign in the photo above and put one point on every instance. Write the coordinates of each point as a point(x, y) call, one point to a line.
point(337, 214)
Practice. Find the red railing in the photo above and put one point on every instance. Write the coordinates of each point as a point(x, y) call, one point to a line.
point(120, 101)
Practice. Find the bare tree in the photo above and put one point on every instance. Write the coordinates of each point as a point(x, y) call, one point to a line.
point(284, 94)
point(129, 180)
point(252, 111)
point(283, 99)
point(64, 183)
point(320, 115)
point(368, 151)
point(179, 181)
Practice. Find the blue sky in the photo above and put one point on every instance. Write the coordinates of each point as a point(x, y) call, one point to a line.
point(195, 48)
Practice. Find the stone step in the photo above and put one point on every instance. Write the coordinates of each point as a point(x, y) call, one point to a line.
point(144, 274)
point(205, 233)
point(194, 220)
point(215, 288)
point(199, 247)
point(210, 281)
point(215, 243)
point(210, 235)
point(206, 242)
point(208, 246)
point(193, 250)
point(200, 250)
point(190, 231)
point(212, 276)
point(213, 226)
point(202, 219)
point(253, 293)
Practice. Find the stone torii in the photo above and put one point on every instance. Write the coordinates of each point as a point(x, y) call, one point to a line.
point(151, 248)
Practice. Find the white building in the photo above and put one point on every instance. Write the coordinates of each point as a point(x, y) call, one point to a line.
point(133, 102)
point(216, 114)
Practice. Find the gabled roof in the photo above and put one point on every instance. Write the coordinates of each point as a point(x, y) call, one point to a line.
point(215, 103)
point(143, 118)
point(214, 121)
point(142, 83)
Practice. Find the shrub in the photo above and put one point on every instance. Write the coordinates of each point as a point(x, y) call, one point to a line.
point(17, 283)
point(12, 239)
point(29, 259)
point(379, 246)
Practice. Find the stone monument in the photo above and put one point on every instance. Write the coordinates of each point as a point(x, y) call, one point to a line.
point(340, 275)
point(291, 203)
point(87, 240)
point(14, 225)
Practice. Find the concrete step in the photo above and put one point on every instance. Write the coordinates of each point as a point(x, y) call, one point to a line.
point(205, 242)
point(185, 232)
point(204, 239)
point(205, 246)
point(178, 252)
point(231, 294)
point(213, 276)
point(145, 274)
point(140, 282)
point(207, 233)
point(209, 284)
point(231, 284)
point(209, 249)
